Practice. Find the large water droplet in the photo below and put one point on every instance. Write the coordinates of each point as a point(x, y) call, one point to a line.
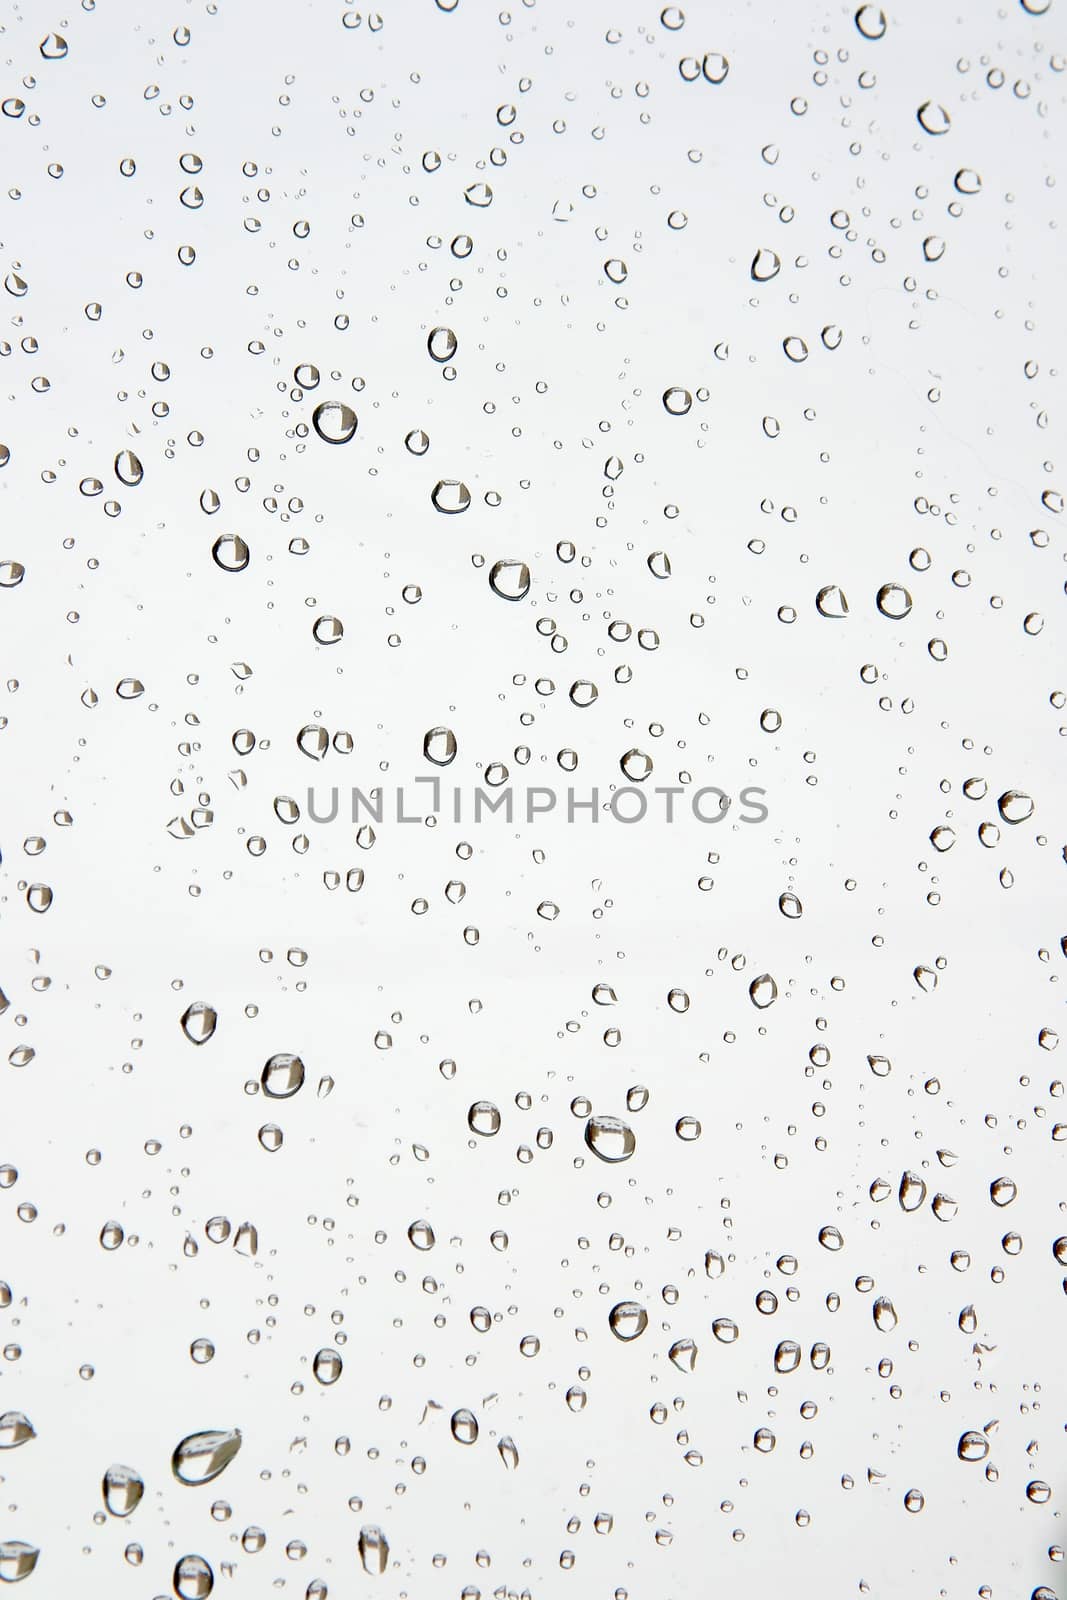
point(1014, 806)
point(327, 1366)
point(610, 1139)
point(885, 1314)
point(373, 1550)
point(464, 1426)
point(763, 991)
point(677, 401)
point(439, 746)
point(123, 1490)
point(199, 1022)
point(17, 1560)
point(830, 602)
point(972, 1446)
point(442, 344)
point(933, 118)
point(766, 264)
point(128, 469)
point(484, 1118)
point(450, 496)
point(282, 1076)
point(893, 601)
point(510, 579)
point(193, 1578)
point(230, 552)
point(15, 1429)
point(201, 1457)
point(871, 22)
point(627, 1320)
point(334, 422)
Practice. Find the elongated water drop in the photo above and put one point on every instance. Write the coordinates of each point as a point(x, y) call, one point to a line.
point(201, 1457)
point(123, 1490)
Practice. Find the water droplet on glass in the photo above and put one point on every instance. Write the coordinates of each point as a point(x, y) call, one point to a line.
point(484, 1118)
point(193, 1578)
point(327, 1366)
point(610, 1139)
point(766, 264)
point(282, 1076)
point(450, 496)
point(334, 422)
point(201, 1457)
point(442, 344)
point(627, 1320)
point(871, 22)
point(17, 1560)
point(123, 1489)
point(373, 1550)
point(439, 746)
point(199, 1022)
point(933, 118)
point(230, 552)
point(510, 579)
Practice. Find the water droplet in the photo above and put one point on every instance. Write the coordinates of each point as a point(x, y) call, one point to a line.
point(932, 118)
point(871, 22)
point(636, 765)
point(193, 1578)
point(230, 552)
point(763, 991)
point(373, 1550)
point(15, 1429)
point(1015, 807)
point(313, 741)
point(683, 1352)
point(17, 1560)
point(199, 1022)
point(627, 1320)
point(328, 630)
point(830, 602)
point(123, 1489)
point(334, 422)
point(464, 1426)
point(912, 1192)
point(442, 344)
point(450, 496)
point(421, 1235)
point(327, 1366)
point(787, 1356)
point(53, 47)
point(128, 469)
point(509, 1454)
point(282, 1076)
point(893, 601)
point(510, 579)
point(201, 1457)
point(972, 1446)
point(715, 67)
point(610, 1139)
point(677, 402)
point(766, 264)
point(439, 746)
point(884, 1313)
point(484, 1118)
point(11, 574)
